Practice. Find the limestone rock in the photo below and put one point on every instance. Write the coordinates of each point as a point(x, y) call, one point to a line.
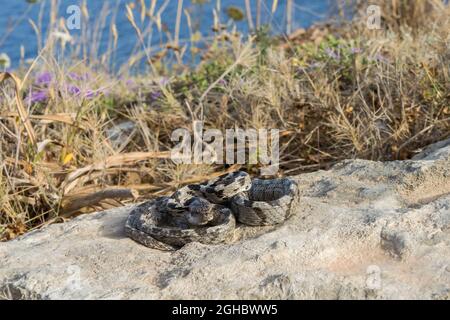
point(365, 230)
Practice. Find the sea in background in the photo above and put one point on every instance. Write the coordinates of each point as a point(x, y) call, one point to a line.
point(16, 29)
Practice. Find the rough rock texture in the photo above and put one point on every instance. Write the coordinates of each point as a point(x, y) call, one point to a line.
point(366, 230)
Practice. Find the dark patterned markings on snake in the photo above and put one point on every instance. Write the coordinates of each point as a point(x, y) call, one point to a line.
point(207, 212)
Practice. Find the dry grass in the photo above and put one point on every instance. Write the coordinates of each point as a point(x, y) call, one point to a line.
point(334, 93)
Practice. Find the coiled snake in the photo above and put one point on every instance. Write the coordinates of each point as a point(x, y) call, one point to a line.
point(207, 212)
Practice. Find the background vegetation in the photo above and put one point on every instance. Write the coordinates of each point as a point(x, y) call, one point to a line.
point(77, 137)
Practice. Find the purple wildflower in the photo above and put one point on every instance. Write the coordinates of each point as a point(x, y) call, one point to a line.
point(130, 84)
point(91, 94)
point(356, 50)
point(37, 96)
point(76, 77)
point(44, 78)
point(332, 54)
point(155, 95)
point(164, 81)
point(94, 93)
point(74, 90)
point(222, 82)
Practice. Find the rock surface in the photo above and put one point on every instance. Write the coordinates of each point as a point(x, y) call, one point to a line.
point(366, 230)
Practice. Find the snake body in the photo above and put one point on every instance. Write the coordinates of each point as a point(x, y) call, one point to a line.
point(207, 212)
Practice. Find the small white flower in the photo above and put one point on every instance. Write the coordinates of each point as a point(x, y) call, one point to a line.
point(5, 61)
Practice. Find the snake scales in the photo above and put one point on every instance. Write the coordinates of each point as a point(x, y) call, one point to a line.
point(207, 212)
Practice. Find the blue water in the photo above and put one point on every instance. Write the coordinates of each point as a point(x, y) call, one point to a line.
point(15, 16)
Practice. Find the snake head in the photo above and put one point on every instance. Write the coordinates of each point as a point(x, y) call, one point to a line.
point(200, 212)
